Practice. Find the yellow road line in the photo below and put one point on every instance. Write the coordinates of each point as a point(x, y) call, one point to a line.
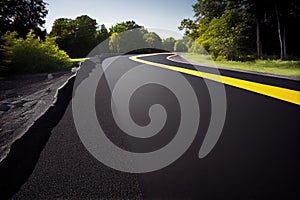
point(284, 94)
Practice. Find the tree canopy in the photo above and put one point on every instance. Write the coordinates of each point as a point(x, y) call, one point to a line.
point(153, 40)
point(79, 36)
point(238, 29)
point(133, 40)
point(124, 26)
point(169, 43)
point(22, 16)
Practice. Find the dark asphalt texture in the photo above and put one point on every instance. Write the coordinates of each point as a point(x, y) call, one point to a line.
point(256, 157)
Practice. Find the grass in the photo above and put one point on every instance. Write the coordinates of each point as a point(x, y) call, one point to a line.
point(74, 61)
point(278, 67)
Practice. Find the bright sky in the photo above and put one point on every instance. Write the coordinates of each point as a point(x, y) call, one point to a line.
point(157, 14)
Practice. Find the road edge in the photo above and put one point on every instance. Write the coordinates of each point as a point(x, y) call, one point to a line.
point(17, 165)
point(171, 58)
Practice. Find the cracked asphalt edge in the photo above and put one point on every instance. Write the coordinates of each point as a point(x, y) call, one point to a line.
point(41, 110)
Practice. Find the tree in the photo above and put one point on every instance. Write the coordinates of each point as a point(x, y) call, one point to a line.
point(79, 36)
point(131, 25)
point(285, 12)
point(153, 40)
point(276, 18)
point(209, 9)
point(180, 46)
point(268, 25)
point(190, 28)
point(127, 41)
point(169, 43)
point(102, 34)
point(85, 31)
point(221, 27)
point(22, 16)
point(227, 36)
point(197, 48)
point(128, 36)
point(124, 26)
point(63, 30)
point(188, 41)
point(118, 28)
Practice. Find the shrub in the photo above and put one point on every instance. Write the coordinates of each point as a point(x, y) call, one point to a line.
point(31, 55)
point(197, 48)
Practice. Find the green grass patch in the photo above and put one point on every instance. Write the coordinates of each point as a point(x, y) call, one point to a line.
point(75, 61)
point(278, 67)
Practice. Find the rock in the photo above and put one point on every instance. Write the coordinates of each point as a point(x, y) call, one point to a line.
point(5, 107)
point(74, 70)
point(50, 76)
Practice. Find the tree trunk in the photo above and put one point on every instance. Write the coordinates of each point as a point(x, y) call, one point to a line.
point(284, 43)
point(258, 42)
point(279, 32)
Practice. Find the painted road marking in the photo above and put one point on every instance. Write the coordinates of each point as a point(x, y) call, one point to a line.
point(291, 96)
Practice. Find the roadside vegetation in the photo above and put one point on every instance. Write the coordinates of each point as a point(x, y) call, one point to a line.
point(249, 35)
point(244, 34)
point(245, 30)
point(31, 55)
point(278, 67)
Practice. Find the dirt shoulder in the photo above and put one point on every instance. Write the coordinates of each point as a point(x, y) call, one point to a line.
point(23, 99)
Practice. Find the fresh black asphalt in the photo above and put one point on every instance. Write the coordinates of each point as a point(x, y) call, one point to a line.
point(256, 157)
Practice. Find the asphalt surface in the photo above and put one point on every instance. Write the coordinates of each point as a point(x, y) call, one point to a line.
point(256, 157)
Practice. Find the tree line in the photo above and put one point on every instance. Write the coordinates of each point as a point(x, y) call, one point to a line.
point(79, 36)
point(246, 29)
point(234, 30)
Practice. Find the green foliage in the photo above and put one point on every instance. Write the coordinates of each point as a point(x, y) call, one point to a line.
point(102, 34)
point(129, 36)
point(237, 29)
point(180, 46)
point(197, 49)
point(153, 40)
point(227, 35)
point(31, 55)
point(190, 28)
point(64, 32)
point(79, 36)
point(187, 41)
point(22, 16)
point(124, 26)
point(169, 44)
point(127, 41)
point(118, 28)
point(114, 43)
point(209, 8)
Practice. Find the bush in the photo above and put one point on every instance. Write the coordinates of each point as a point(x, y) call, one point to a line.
point(33, 55)
point(220, 58)
point(197, 48)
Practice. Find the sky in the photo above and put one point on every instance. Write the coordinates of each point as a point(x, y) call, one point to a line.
point(161, 16)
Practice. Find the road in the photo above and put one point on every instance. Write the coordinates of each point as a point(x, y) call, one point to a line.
point(256, 157)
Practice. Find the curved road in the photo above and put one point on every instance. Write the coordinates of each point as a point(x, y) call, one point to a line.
point(256, 157)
